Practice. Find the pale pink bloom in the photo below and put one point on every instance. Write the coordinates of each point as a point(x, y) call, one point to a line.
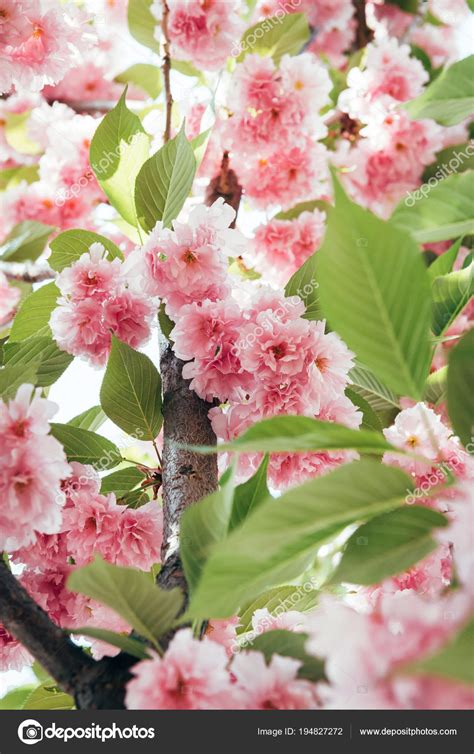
point(459, 535)
point(332, 359)
point(390, 75)
point(256, 83)
point(219, 376)
point(333, 43)
point(39, 43)
point(102, 616)
point(287, 176)
point(224, 632)
point(203, 328)
point(272, 686)
point(85, 82)
point(388, 18)
point(48, 550)
point(420, 430)
point(92, 525)
point(191, 675)
point(289, 469)
point(48, 588)
point(128, 315)
point(9, 298)
point(43, 119)
point(139, 536)
point(437, 41)
point(449, 12)
point(79, 329)
point(13, 655)
point(204, 33)
point(83, 478)
point(92, 276)
point(307, 81)
point(289, 620)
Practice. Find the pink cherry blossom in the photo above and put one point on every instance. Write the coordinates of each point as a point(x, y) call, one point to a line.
point(13, 655)
point(92, 526)
point(91, 276)
point(224, 632)
point(139, 536)
point(272, 686)
point(191, 675)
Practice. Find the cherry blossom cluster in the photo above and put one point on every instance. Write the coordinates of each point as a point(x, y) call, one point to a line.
point(255, 352)
point(280, 247)
point(274, 125)
point(97, 301)
point(202, 33)
point(387, 158)
point(40, 41)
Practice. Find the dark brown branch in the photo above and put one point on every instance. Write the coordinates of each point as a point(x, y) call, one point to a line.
point(94, 685)
point(225, 185)
point(364, 34)
point(166, 67)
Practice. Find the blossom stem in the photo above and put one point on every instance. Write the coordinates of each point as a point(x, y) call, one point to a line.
point(166, 70)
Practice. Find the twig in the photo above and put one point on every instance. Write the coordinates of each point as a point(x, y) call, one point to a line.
point(26, 273)
point(364, 34)
point(166, 70)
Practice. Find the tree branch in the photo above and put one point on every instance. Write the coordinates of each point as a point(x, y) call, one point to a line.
point(364, 34)
point(166, 70)
point(94, 685)
point(26, 273)
point(226, 185)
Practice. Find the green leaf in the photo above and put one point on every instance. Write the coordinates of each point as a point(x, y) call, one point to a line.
point(166, 324)
point(436, 386)
point(451, 293)
point(387, 545)
point(460, 392)
point(443, 213)
point(455, 159)
point(126, 643)
point(14, 375)
point(409, 6)
point(278, 601)
point(281, 434)
point(248, 496)
point(375, 271)
point(16, 134)
point(15, 698)
point(34, 313)
point(142, 23)
point(453, 661)
point(86, 447)
point(445, 262)
point(11, 177)
point(275, 36)
point(303, 283)
point(282, 536)
point(202, 525)
point(290, 644)
point(164, 182)
point(370, 420)
point(131, 392)
point(449, 98)
point(119, 148)
point(377, 395)
point(42, 354)
point(130, 593)
point(294, 212)
point(47, 696)
point(122, 481)
point(91, 418)
point(143, 75)
point(70, 245)
point(26, 241)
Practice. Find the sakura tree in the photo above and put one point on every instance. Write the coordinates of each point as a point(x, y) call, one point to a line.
point(277, 197)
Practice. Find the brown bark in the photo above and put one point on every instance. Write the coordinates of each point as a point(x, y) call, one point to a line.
point(363, 34)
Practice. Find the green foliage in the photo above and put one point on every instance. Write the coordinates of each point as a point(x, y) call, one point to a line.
point(34, 313)
point(387, 545)
point(301, 433)
point(445, 262)
point(119, 148)
point(460, 392)
point(248, 496)
point(449, 99)
point(142, 23)
point(144, 76)
point(25, 242)
point(68, 246)
point(122, 481)
point(281, 537)
point(290, 644)
point(41, 353)
point(451, 293)
point(164, 182)
point(453, 661)
point(14, 375)
point(276, 601)
point(442, 213)
point(303, 283)
point(91, 418)
point(126, 643)
point(276, 37)
point(374, 271)
point(85, 446)
point(131, 392)
point(130, 593)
